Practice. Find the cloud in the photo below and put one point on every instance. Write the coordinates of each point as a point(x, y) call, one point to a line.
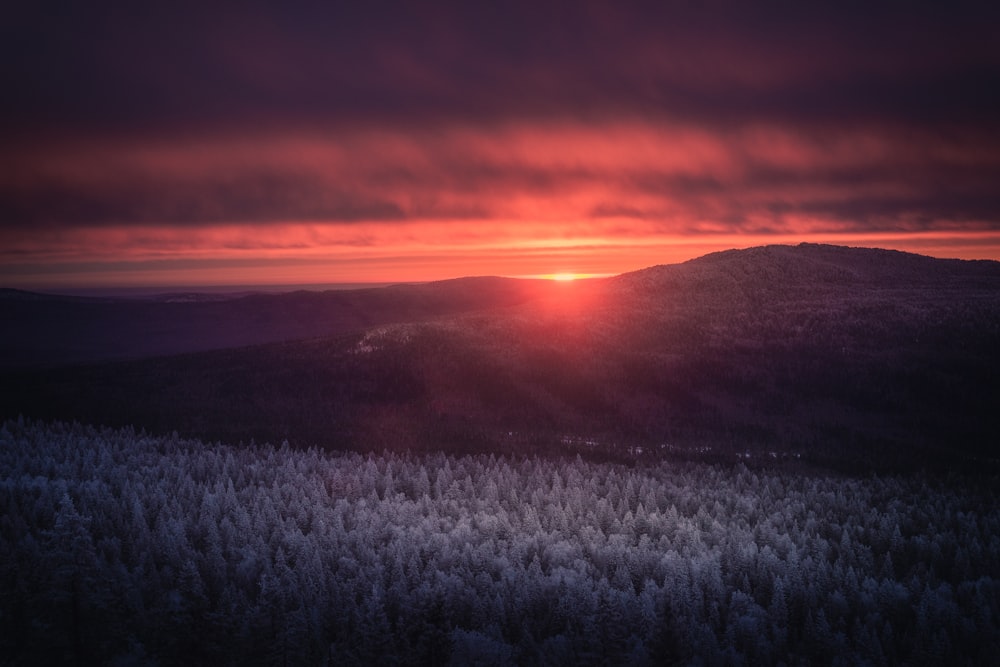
point(128, 68)
point(676, 176)
point(458, 127)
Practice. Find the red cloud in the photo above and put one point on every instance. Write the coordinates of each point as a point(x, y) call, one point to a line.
point(591, 197)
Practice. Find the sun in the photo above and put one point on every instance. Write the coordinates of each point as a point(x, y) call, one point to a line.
point(564, 277)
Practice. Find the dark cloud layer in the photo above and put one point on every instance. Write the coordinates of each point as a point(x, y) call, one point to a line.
point(203, 66)
point(772, 117)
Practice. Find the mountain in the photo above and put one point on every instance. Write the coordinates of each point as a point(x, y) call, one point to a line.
point(52, 330)
point(849, 357)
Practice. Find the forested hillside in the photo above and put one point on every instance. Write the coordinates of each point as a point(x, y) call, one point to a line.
point(853, 358)
point(45, 330)
point(117, 547)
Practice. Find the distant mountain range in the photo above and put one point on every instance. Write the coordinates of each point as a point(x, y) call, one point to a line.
point(849, 357)
point(52, 330)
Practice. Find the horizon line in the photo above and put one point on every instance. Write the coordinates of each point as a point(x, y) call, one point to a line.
point(279, 286)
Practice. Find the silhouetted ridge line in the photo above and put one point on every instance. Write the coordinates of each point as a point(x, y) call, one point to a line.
point(853, 358)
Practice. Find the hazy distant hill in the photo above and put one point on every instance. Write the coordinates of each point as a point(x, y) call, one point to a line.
point(48, 330)
point(834, 355)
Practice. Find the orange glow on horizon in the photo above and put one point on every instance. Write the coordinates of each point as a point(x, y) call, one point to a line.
point(525, 198)
point(226, 257)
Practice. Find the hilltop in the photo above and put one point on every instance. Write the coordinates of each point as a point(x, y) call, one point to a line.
point(837, 356)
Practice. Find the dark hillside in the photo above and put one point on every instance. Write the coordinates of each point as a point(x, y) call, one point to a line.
point(47, 330)
point(848, 357)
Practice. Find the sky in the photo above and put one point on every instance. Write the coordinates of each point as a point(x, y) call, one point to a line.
point(193, 143)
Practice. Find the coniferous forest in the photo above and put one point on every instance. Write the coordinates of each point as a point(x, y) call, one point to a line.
point(118, 547)
point(782, 455)
point(457, 333)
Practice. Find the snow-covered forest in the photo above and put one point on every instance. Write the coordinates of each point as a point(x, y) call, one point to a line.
point(122, 548)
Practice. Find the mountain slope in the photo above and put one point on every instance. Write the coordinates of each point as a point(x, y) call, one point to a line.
point(851, 357)
point(48, 330)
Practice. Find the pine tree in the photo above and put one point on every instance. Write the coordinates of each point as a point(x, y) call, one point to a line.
point(73, 569)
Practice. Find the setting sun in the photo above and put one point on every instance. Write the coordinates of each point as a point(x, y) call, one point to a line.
point(565, 277)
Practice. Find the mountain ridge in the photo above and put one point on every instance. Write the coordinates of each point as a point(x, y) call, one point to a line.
point(52, 330)
point(828, 263)
point(795, 352)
